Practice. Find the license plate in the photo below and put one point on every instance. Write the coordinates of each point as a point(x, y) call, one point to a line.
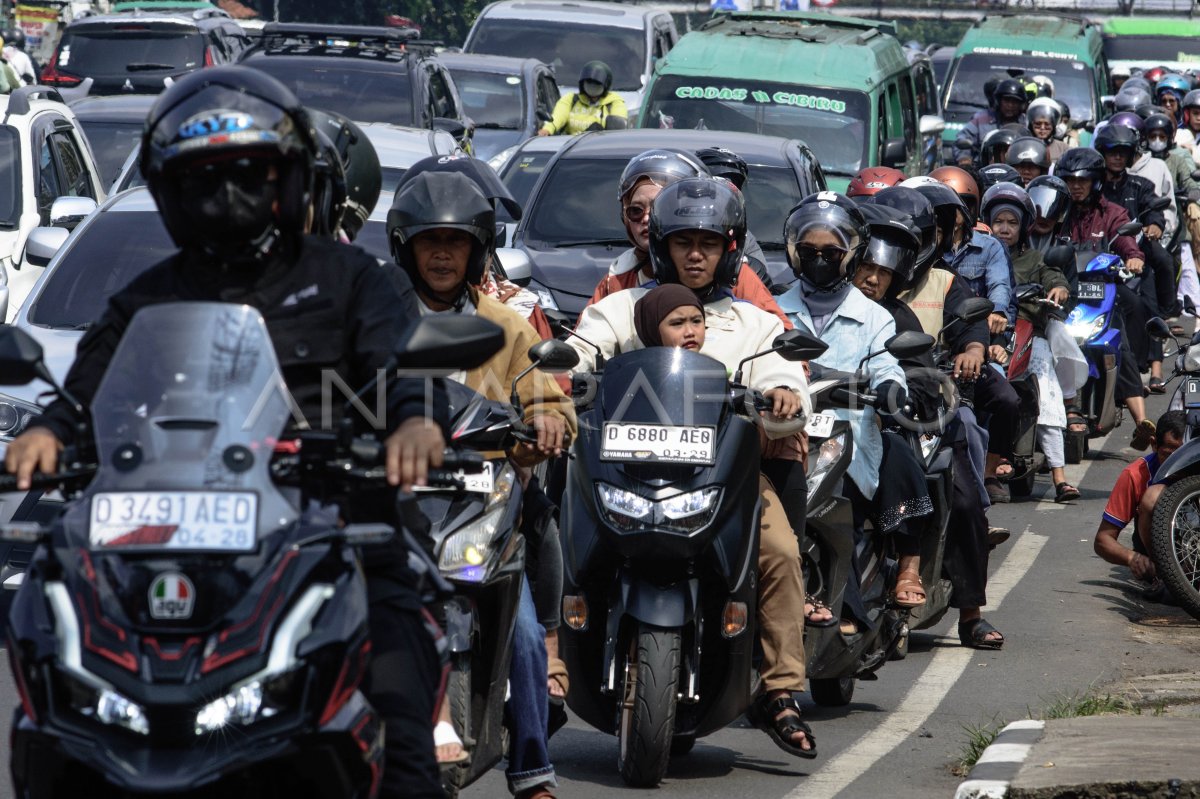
point(483, 482)
point(658, 443)
point(1091, 291)
point(820, 425)
point(212, 521)
point(1191, 393)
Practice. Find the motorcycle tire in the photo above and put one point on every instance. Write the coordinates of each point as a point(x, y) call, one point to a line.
point(1074, 447)
point(458, 694)
point(900, 650)
point(647, 721)
point(1176, 553)
point(682, 744)
point(832, 692)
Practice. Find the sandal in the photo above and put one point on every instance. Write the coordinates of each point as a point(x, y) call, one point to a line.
point(1142, 435)
point(974, 633)
point(764, 714)
point(557, 674)
point(1157, 386)
point(908, 582)
point(1076, 420)
point(444, 735)
point(818, 605)
point(997, 491)
point(1004, 464)
point(1065, 492)
point(997, 536)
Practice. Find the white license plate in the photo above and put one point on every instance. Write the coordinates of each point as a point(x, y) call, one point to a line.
point(220, 521)
point(1191, 394)
point(483, 482)
point(659, 443)
point(1091, 291)
point(820, 425)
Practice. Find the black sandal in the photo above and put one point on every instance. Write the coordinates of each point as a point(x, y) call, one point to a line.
point(1157, 386)
point(974, 634)
point(764, 714)
point(1065, 492)
point(818, 605)
point(1075, 417)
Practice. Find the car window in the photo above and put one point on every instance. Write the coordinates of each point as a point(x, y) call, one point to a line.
point(908, 110)
point(111, 144)
point(356, 92)
point(439, 95)
point(76, 182)
point(10, 178)
point(492, 99)
point(520, 175)
point(77, 291)
point(548, 94)
point(927, 99)
point(567, 47)
point(108, 52)
point(1072, 82)
point(49, 183)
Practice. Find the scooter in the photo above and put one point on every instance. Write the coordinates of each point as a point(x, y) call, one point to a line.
point(660, 542)
point(188, 626)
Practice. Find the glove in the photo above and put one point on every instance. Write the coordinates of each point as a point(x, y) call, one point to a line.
point(892, 396)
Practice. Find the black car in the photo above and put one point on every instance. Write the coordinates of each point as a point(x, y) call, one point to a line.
point(113, 126)
point(572, 229)
point(508, 99)
point(367, 74)
point(134, 52)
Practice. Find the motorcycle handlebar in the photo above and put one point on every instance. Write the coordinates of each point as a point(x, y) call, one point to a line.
point(8, 482)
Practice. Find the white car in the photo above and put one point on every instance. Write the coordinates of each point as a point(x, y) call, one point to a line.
point(44, 156)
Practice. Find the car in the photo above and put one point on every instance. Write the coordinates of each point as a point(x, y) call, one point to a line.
point(44, 156)
point(925, 84)
point(571, 230)
point(519, 167)
point(367, 74)
point(113, 125)
point(508, 99)
point(566, 35)
point(136, 51)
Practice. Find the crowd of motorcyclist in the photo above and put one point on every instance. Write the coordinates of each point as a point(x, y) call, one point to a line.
point(262, 217)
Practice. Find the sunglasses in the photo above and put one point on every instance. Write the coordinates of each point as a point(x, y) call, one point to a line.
point(831, 253)
point(636, 213)
point(245, 173)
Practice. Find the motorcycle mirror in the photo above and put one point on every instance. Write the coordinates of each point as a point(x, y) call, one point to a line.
point(796, 345)
point(1157, 328)
point(448, 342)
point(357, 535)
point(21, 358)
point(974, 310)
point(1129, 229)
point(909, 344)
point(1060, 256)
point(1029, 291)
point(1160, 203)
point(1196, 175)
point(553, 356)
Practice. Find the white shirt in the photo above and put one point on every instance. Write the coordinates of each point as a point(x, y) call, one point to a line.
point(1155, 170)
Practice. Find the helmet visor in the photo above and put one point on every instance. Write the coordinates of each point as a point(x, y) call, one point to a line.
point(890, 255)
point(219, 118)
point(1050, 203)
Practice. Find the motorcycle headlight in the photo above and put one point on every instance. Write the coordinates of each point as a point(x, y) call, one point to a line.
point(249, 702)
point(465, 551)
point(829, 454)
point(1082, 330)
point(105, 705)
point(1191, 360)
point(681, 513)
point(624, 503)
point(681, 506)
point(14, 416)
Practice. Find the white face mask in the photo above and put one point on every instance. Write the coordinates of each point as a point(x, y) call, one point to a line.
point(1158, 145)
point(1060, 130)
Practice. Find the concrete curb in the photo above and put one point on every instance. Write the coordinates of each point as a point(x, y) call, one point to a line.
point(1000, 762)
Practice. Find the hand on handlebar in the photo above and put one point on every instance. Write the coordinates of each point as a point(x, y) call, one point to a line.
point(968, 364)
point(1058, 295)
point(1153, 232)
point(998, 354)
point(551, 433)
point(35, 450)
point(997, 322)
point(785, 403)
point(1135, 265)
point(415, 448)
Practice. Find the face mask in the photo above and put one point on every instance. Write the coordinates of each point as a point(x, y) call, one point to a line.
point(819, 270)
point(592, 88)
point(233, 218)
point(1158, 146)
point(1060, 130)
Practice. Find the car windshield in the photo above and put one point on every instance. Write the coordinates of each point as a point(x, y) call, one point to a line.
point(520, 175)
point(111, 142)
point(567, 47)
point(355, 91)
point(964, 96)
point(10, 178)
point(76, 292)
point(833, 122)
point(586, 189)
point(1152, 49)
point(491, 99)
point(121, 50)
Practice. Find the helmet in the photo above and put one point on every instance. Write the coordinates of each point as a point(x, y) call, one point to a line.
point(1159, 122)
point(1120, 71)
point(873, 178)
point(920, 210)
point(1115, 137)
point(441, 200)
point(893, 243)
point(661, 167)
point(1155, 74)
point(722, 163)
point(1127, 119)
point(364, 180)
point(1049, 196)
point(329, 172)
point(1009, 88)
point(999, 173)
point(995, 144)
point(838, 214)
point(1138, 82)
point(1177, 84)
point(1083, 162)
point(1129, 98)
point(947, 205)
point(700, 203)
point(962, 182)
point(1010, 196)
point(1028, 150)
point(1045, 85)
point(1044, 108)
point(596, 71)
point(1191, 99)
point(15, 37)
point(482, 175)
point(249, 121)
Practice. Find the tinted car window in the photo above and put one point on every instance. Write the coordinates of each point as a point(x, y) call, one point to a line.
point(567, 47)
point(520, 176)
point(111, 144)
point(77, 291)
point(119, 51)
point(10, 178)
point(357, 92)
point(964, 95)
point(492, 100)
point(76, 181)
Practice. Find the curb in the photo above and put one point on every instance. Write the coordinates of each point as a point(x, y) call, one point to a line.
point(1000, 762)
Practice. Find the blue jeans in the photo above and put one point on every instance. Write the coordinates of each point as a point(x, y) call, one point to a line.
point(528, 702)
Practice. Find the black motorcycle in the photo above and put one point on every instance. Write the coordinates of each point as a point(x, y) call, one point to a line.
point(660, 540)
point(195, 623)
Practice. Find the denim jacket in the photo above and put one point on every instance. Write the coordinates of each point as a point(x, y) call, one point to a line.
point(857, 327)
point(983, 264)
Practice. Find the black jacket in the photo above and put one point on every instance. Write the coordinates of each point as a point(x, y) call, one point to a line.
point(1134, 193)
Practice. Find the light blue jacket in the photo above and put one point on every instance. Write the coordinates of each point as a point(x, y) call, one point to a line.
point(984, 265)
point(859, 326)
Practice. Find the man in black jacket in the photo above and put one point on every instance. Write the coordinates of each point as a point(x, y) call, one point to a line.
point(228, 155)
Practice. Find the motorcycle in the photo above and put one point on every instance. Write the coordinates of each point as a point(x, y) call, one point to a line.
point(195, 622)
point(660, 542)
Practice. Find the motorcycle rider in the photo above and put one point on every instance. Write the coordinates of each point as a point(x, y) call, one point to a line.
point(1045, 115)
point(1030, 157)
point(15, 55)
point(236, 205)
point(965, 185)
point(723, 163)
point(998, 173)
point(873, 179)
point(1158, 133)
point(1051, 200)
point(1008, 104)
point(696, 231)
point(995, 145)
point(1170, 91)
point(1188, 132)
point(594, 107)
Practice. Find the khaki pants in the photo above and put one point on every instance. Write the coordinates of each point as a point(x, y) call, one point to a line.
point(1193, 229)
point(780, 597)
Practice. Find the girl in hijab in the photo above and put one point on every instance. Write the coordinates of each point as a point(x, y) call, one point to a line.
point(670, 316)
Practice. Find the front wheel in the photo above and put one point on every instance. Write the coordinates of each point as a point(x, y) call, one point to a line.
point(647, 721)
point(834, 692)
point(1175, 541)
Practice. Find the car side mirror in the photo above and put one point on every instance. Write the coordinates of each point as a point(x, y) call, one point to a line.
point(1157, 328)
point(21, 358)
point(554, 356)
point(67, 212)
point(454, 127)
point(1061, 256)
point(516, 265)
point(1108, 101)
point(1029, 291)
point(796, 345)
point(931, 125)
point(895, 153)
point(43, 243)
point(1129, 229)
point(909, 344)
point(446, 342)
point(974, 310)
point(543, 115)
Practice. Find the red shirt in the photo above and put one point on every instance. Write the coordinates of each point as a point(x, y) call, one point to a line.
point(1127, 493)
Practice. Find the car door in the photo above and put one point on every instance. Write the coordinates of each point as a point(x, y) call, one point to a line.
point(445, 106)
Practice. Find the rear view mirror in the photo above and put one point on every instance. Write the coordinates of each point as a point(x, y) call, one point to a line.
point(42, 244)
point(543, 115)
point(454, 127)
point(1196, 175)
point(931, 124)
point(1157, 328)
point(446, 342)
point(895, 153)
point(1160, 203)
point(1061, 257)
point(909, 344)
point(501, 234)
point(974, 310)
point(796, 345)
point(616, 123)
point(21, 358)
point(1029, 291)
point(516, 265)
point(1129, 229)
point(554, 356)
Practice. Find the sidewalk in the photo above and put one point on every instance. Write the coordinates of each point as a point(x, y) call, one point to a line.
point(1155, 754)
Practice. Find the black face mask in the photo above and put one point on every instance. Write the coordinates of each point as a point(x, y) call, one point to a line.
point(820, 271)
point(232, 212)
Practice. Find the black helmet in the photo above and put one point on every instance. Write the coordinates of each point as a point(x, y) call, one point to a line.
point(1050, 197)
point(329, 174)
point(1010, 196)
point(1010, 88)
point(1115, 137)
point(1082, 162)
point(1137, 82)
point(1156, 122)
point(480, 173)
point(838, 214)
point(596, 71)
point(441, 200)
point(1130, 97)
point(998, 173)
point(920, 210)
point(364, 181)
point(722, 163)
point(661, 166)
point(995, 144)
point(251, 122)
point(1028, 150)
point(894, 242)
point(15, 37)
point(947, 205)
point(701, 203)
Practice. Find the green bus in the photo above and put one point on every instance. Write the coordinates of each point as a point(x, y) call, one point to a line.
point(1152, 41)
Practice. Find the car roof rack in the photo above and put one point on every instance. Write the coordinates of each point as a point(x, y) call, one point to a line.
point(353, 41)
point(19, 99)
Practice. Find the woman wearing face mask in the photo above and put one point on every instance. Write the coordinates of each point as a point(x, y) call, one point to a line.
point(594, 107)
point(1044, 117)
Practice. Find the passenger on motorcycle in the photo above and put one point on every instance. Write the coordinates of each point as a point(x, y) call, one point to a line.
point(1051, 201)
point(1188, 132)
point(998, 173)
point(697, 227)
point(1008, 105)
point(594, 107)
point(1030, 157)
point(995, 146)
point(1158, 133)
point(723, 163)
point(236, 206)
point(1170, 91)
point(966, 186)
point(1045, 116)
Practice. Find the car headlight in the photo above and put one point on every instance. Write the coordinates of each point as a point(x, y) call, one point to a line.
point(829, 454)
point(14, 416)
point(545, 298)
point(105, 705)
point(465, 551)
point(498, 160)
point(1083, 330)
point(1191, 359)
point(681, 513)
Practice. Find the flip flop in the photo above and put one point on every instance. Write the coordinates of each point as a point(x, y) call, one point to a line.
point(557, 672)
point(818, 605)
point(974, 634)
point(444, 734)
point(1157, 386)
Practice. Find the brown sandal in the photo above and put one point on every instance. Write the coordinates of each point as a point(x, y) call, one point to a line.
point(908, 582)
point(556, 671)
